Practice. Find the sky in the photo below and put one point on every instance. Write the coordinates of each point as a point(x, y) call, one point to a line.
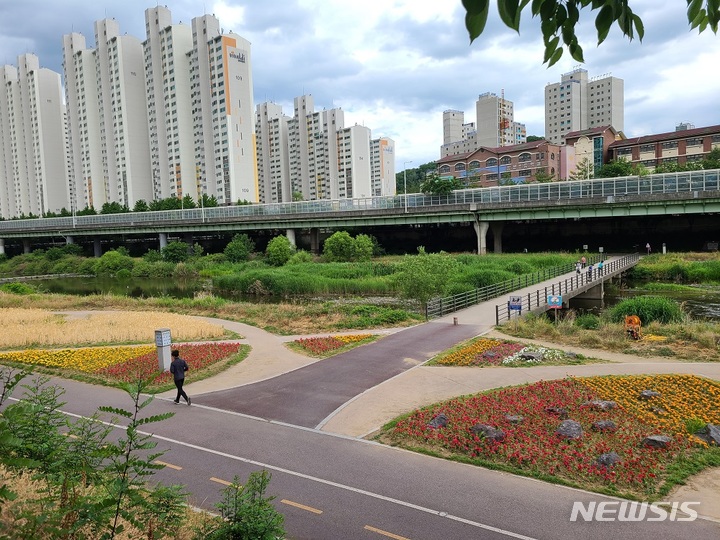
point(396, 65)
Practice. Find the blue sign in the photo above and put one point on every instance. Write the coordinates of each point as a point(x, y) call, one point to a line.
point(515, 303)
point(554, 301)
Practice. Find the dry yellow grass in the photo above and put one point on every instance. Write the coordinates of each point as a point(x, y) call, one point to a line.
point(36, 327)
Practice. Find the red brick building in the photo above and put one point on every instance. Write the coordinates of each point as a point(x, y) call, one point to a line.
point(680, 147)
point(488, 166)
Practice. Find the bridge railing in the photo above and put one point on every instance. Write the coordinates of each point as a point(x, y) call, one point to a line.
point(538, 299)
point(605, 188)
point(439, 307)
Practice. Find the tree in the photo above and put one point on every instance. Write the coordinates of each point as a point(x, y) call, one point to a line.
point(113, 208)
point(616, 168)
point(279, 250)
point(424, 276)
point(435, 185)
point(209, 201)
point(414, 177)
point(712, 160)
point(583, 170)
point(239, 248)
point(141, 206)
point(175, 252)
point(188, 202)
point(558, 19)
point(340, 247)
point(533, 138)
point(542, 177)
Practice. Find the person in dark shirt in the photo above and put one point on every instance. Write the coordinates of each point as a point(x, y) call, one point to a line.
point(178, 367)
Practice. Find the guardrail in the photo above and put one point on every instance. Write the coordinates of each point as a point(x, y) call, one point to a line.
point(439, 307)
point(538, 299)
point(605, 189)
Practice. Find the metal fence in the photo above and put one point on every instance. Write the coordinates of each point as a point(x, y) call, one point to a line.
point(439, 307)
point(606, 189)
point(538, 298)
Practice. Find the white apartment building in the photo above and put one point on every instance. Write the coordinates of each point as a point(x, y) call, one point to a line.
point(577, 103)
point(382, 159)
point(33, 168)
point(168, 95)
point(495, 126)
point(271, 130)
point(222, 109)
point(354, 163)
point(107, 111)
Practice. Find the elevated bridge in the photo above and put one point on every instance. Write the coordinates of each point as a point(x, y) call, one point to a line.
point(671, 194)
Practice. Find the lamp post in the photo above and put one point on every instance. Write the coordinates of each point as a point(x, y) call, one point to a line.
point(405, 163)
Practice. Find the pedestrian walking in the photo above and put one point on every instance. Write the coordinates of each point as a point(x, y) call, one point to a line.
point(583, 260)
point(600, 268)
point(578, 267)
point(590, 271)
point(647, 246)
point(178, 367)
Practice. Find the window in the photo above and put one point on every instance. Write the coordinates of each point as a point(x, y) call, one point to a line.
point(505, 160)
point(491, 162)
point(647, 148)
point(524, 172)
point(623, 152)
point(523, 157)
point(697, 141)
point(445, 169)
point(459, 166)
point(668, 145)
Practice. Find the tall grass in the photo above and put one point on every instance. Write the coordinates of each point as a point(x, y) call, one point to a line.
point(649, 309)
point(679, 268)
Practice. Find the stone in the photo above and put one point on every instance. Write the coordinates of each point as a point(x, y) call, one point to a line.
point(514, 418)
point(570, 354)
point(439, 421)
point(600, 404)
point(530, 356)
point(710, 434)
point(569, 429)
point(557, 411)
point(648, 394)
point(488, 432)
point(608, 459)
point(604, 425)
point(489, 354)
point(657, 441)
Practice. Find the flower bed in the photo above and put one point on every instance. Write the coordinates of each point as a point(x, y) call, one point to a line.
point(323, 346)
point(530, 444)
point(123, 364)
point(495, 352)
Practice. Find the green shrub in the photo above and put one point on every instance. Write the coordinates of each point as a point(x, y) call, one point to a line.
point(175, 252)
point(519, 268)
point(123, 274)
point(152, 255)
point(239, 248)
point(279, 250)
point(301, 257)
point(17, 287)
point(588, 321)
point(649, 309)
point(111, 262)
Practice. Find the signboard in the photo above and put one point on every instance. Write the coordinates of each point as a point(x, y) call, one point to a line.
point(162, 337)
point(515, 303)
point(601, 249)
point(554, 301)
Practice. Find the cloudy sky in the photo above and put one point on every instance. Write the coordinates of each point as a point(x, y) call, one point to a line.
point(395, 65)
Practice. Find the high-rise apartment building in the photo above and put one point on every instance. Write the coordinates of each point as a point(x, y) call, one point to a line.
point(168, 91)
point(222, 109)
point(495, 127)
point(107, 111)
point(496, 124)
point(271, 131)
point(312, 155)
point(382, 158)
point(577, 103)
point(33, 156)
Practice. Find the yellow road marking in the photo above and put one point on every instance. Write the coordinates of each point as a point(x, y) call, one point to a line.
point(219, 481)
point(385, 533)
point(302, 506)
point(168, 465)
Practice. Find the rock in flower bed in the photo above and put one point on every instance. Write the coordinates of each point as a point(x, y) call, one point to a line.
point(494, 352)
point(534, 447)
point(326, 346)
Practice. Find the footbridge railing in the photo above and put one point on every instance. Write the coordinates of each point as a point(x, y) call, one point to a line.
point(537, 301)
point(439, 307)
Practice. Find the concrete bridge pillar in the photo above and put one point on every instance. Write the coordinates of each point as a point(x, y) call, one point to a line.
point(163, 240)
point(189, 241)
point(26, 245)
point(481, 229)
point(69, 240)
point(290, 234)
point(594, 293)
point(315, 240)
point(497, 229)
point(97, 247)
point(2, 246)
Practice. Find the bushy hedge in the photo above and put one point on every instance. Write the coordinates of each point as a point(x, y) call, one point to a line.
point(649, 309)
